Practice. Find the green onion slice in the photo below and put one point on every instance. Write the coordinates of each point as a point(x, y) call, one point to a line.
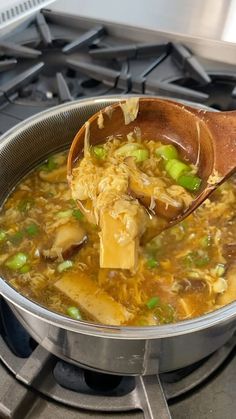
point(167, 152)
point(99, 152)
point(17, 261)
point(49, 165)
point(78, 214)
point(74, 313)
point(176, 168)
point(126, 149)
point(190, 182)
point(206, 241)
point(25, 269)
point(63, 266)
point(152, 263)
point(140, 155)
point(32, 229)
point(153, 302)
point(2, 235)
point(64, 214)
point(220, 269)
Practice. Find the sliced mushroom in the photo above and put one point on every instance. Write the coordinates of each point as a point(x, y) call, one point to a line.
point(143, 188)
point(229, 252)
point(55, 176)
point(190, 285)
point(86, 294)
point(69, 238)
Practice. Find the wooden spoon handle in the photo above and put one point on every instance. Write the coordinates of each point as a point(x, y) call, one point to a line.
point(222, 126)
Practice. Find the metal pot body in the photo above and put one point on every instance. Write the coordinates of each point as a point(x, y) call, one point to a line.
point(126, 356)
point(116, 350)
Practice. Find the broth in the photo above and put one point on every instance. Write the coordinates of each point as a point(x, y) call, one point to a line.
point(50, 253)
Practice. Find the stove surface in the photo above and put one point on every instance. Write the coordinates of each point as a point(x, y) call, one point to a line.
point(58, 58)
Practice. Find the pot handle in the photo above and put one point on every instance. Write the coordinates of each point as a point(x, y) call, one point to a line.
point(151, 398)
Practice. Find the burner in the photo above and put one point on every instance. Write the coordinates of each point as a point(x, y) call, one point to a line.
point(89, 63)
point(220, 90)
point(55, 59)
point(28, 81)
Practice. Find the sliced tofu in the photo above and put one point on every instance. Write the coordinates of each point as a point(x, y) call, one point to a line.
point(113, 254)
point(230, 294)
point(92, 300)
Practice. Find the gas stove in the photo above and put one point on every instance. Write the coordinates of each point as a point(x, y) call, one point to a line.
point(56, 58)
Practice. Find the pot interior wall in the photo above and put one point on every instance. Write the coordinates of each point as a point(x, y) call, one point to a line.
point(32, 141)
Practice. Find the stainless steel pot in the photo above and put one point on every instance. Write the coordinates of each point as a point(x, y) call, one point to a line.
point(118, 350)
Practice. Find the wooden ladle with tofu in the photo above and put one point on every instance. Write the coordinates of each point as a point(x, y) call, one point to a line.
point(129, 200)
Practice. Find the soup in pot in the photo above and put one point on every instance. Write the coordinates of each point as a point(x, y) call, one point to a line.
point(50, 249)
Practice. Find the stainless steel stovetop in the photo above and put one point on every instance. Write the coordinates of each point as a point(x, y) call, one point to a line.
point(57, 58)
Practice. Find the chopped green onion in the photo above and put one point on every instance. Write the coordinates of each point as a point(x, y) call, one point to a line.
point(206, 241)
point(63, 266)
point(25, 204)
point(25, 269)
point(140, 154)
point(49, 165)
point(198, 259)
point(32, 229)
point(2, 235)
point(16, 238)
point(152, 263)
point(219, 269)
point(190, 182)
point(74, 313)
point(78, 214)
point(126, 149)
point(167, 152)
point(99, 152)
point(175, 168)
point(202, 261)
point(153, 302)
point(16, 261)
point(133, 150)
point(64, 214)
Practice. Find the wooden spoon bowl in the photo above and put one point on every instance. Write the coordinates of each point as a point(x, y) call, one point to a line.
point(207, 139)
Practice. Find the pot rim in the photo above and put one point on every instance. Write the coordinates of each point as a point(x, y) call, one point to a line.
point(224, 314)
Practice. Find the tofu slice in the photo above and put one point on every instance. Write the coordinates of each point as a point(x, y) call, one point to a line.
point(99, 305)
point(112, 254)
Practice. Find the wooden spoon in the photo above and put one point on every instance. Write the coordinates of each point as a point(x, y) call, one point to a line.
point(207, 139)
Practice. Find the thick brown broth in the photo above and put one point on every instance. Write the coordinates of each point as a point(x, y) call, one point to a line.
point(182, 273)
